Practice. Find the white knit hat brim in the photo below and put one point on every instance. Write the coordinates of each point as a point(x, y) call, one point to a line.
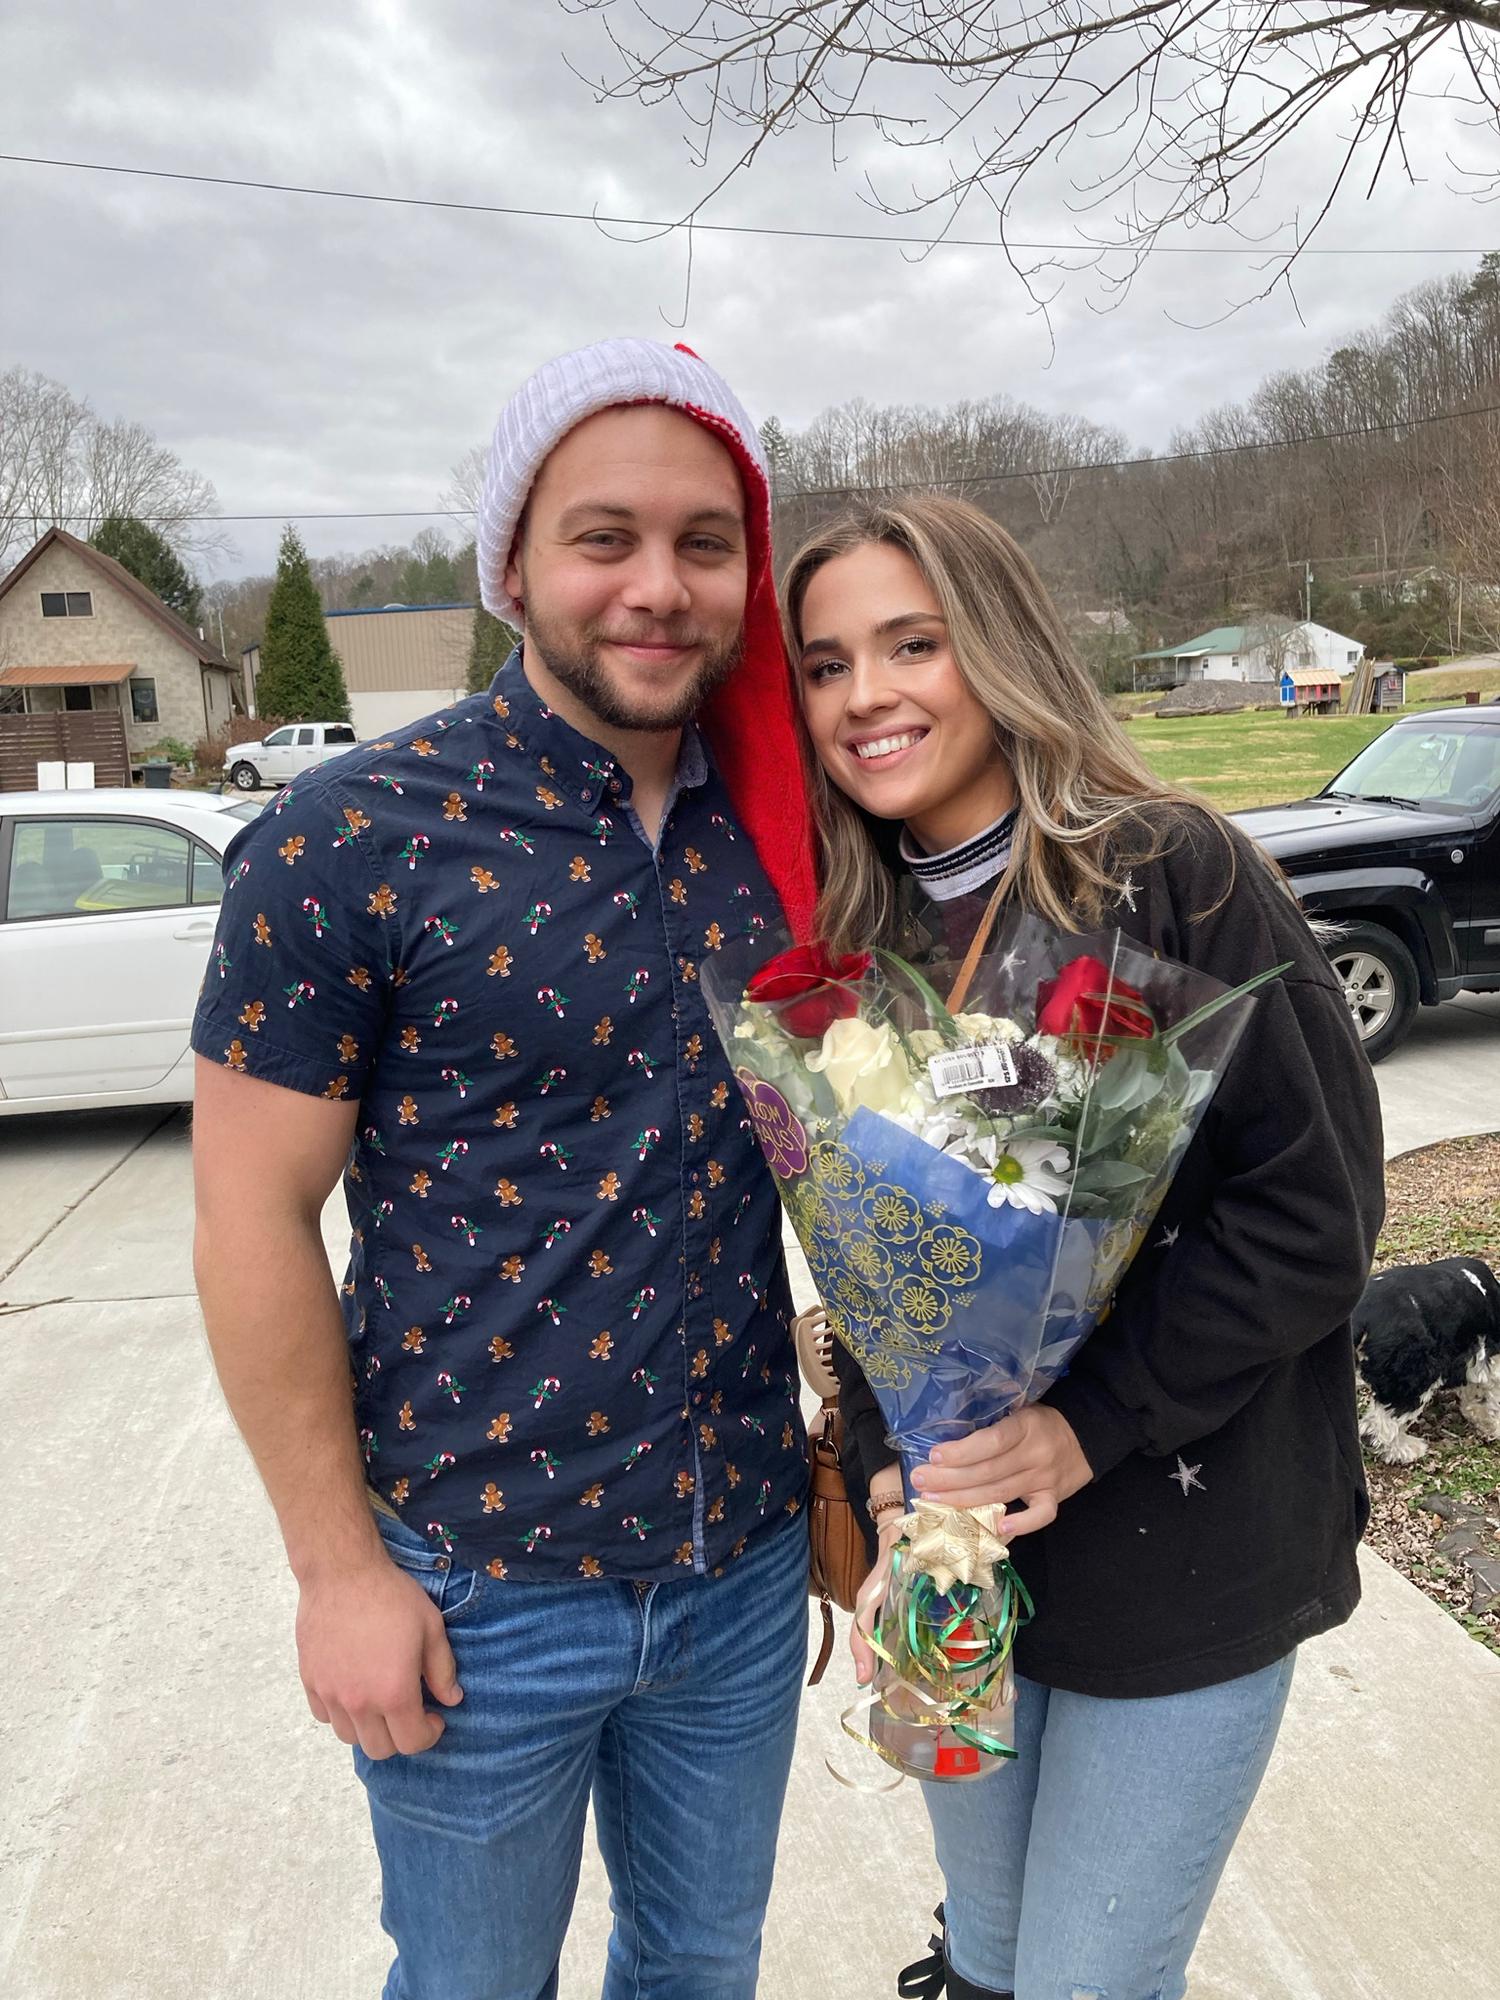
point(556, 399)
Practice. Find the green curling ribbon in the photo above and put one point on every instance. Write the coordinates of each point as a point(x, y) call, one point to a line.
point(917, 1633)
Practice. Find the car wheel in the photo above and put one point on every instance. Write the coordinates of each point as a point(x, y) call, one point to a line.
point(1379, 978)
point(245, 777)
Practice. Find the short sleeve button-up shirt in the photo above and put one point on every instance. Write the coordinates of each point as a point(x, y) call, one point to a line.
point(566, 1302)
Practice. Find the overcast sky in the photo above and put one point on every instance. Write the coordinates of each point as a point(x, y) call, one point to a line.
point(310, 355)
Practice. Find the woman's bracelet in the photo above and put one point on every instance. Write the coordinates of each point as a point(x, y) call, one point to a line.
point(888, 1503)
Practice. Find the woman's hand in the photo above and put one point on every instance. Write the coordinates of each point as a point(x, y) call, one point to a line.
point(1030, 1455)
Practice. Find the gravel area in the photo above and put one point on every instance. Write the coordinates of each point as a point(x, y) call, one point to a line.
point(1443, 1201)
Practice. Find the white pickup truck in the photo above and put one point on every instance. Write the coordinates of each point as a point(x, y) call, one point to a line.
point(285, 754)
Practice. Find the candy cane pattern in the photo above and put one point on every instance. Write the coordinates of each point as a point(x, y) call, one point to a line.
point(520, 1115)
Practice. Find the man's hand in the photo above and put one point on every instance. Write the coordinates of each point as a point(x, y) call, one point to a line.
point(1031, 1455)
point(367, 1638)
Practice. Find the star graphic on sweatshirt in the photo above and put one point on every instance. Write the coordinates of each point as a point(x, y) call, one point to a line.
point(1168, 1238)
point(1187, 1476)
point(1010, 961)
point(1128, 889)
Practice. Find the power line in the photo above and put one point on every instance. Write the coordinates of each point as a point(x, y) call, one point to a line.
point(663, 226)
point(925, 485)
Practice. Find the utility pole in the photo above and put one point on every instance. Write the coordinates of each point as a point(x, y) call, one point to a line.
point(1458, 638)
point(1307, 589)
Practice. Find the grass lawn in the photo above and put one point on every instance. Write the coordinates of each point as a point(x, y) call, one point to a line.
point(1254, 758)
point(1450, 684)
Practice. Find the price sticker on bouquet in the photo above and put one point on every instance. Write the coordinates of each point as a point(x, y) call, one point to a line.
point(973, 1066)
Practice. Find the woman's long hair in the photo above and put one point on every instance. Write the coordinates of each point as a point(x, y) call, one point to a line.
point(1090, 804)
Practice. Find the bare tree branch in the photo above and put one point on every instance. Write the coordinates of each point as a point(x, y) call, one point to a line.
point(1178, 105)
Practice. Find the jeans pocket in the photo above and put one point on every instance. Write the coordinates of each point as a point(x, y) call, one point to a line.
point(450, 1585)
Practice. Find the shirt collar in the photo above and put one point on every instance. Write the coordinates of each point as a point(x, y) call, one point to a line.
point(958, 871)
point(569, 760)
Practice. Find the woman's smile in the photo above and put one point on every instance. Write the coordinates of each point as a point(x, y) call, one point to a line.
point(883, 751)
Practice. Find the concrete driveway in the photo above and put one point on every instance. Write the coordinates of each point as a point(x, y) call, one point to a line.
point(177, 1827)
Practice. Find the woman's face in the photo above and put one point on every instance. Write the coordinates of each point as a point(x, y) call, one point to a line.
point(892, 720)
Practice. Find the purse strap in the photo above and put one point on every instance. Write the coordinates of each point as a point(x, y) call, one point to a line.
point(977, 945)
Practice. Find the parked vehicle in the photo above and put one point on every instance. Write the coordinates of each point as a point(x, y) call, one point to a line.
point(285, 754)
point(1402, 851)
point(108, 901)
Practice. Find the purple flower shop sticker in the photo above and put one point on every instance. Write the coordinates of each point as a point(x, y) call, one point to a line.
point(782, 1135)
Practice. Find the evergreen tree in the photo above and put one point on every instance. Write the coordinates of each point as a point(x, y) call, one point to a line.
point(300, 678)
point(489, 649)
point(136, 546)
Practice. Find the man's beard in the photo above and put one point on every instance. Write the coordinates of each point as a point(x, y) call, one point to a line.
point(577, 661)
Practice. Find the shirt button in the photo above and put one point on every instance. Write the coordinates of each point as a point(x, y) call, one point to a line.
point(695, 1178)
point(585, 798)
point(698, 1398)
point(445, 1562)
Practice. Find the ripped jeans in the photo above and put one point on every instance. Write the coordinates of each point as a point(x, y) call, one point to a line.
point(1084, 1870)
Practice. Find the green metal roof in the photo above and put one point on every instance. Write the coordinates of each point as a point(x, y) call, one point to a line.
point(1222, 639)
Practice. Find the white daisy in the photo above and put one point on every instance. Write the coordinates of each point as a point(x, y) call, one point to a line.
point(1026, 1173)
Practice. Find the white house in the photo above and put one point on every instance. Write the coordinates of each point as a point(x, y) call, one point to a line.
point(1259, 652)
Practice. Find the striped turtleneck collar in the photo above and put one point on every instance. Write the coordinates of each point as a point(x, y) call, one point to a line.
point(965, 868)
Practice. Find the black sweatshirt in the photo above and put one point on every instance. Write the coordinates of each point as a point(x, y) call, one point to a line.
point(1216, 1403)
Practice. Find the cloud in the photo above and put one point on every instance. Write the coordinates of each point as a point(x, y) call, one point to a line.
point(316, 356)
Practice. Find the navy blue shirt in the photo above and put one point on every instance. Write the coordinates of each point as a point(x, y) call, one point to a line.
point(566, 1302)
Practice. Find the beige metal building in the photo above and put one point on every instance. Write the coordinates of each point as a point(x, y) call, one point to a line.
point(400, 661)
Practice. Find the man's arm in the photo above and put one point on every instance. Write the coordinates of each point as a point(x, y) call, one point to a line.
point(265, 1160)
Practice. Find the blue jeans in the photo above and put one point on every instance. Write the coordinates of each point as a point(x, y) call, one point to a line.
point(674, 1703)
point(1084, 1870)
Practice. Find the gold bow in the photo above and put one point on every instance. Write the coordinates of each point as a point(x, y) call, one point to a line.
point(955, 1544)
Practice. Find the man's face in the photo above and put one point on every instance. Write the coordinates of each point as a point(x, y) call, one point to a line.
point(631, 568)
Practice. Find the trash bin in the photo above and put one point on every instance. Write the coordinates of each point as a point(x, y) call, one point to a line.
point(156, 774)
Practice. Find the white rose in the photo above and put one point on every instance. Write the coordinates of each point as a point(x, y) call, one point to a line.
point(864, 1066)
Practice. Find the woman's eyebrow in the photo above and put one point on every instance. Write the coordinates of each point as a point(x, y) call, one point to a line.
point(888, 625)
point(881, 631)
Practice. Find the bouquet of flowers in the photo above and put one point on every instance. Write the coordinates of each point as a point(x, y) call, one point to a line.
point(969, 1180)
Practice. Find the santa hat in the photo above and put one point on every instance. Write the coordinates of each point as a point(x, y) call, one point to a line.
point(749, 722)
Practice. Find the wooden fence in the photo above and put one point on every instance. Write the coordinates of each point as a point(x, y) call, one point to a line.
point(92, 736)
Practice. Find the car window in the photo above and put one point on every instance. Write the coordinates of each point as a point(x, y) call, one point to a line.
point(278, 739)
point(1451, 767)
point(90, 867)
point(245, 809)
point(208, 876)
point(339, 732)
point(304, 737)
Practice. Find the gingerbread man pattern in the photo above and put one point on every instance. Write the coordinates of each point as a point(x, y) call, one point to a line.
point(565, 1248)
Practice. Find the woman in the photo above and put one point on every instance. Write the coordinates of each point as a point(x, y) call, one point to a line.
point(1189, 1497)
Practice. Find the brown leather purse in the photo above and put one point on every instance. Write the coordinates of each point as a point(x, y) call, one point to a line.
point(838, 1564)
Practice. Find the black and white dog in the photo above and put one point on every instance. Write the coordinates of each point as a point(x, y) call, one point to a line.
point(1424, 1327)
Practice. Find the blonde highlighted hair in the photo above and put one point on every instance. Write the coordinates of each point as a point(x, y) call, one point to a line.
point(1090, 805)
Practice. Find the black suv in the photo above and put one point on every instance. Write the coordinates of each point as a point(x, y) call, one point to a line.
point(1402, 851)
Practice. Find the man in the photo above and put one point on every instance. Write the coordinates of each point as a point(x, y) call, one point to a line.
point(461, 967)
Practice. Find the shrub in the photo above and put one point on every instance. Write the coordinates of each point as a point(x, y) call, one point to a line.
point(173, 749)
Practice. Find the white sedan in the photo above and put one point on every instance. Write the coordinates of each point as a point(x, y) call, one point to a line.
point(108, 902)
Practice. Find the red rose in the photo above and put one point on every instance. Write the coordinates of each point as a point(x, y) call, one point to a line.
point(819, 986)
point(1080, 1005)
